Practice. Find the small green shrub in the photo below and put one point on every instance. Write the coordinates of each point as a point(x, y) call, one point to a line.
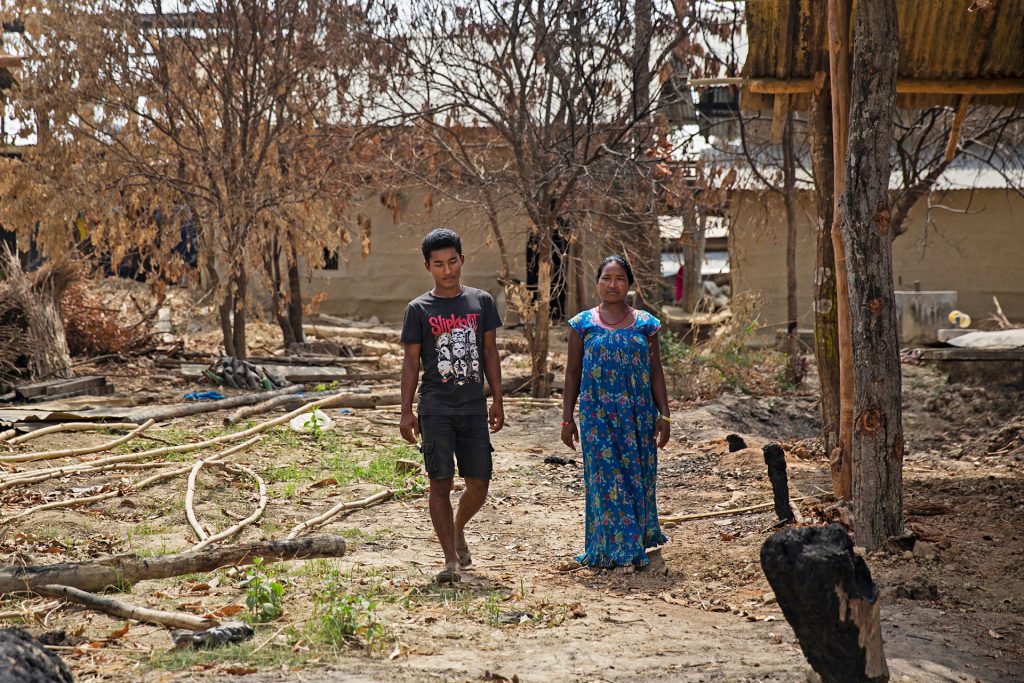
point(346, 618)
point(264, 595)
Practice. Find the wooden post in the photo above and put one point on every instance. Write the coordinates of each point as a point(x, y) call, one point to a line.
point(828, 597)
point(839, 66)
point(775, 459)
point(877, 443)
point(826, 321)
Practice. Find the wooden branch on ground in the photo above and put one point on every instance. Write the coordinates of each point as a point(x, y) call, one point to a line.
point(365, 401)
point(125, 610)
point(332, 331)
point(723, 513)
point(145, 483)
point(37, 476)
point(72, 452)
point(8, 434)
point(204, 538)
point(161, 413)
point(120, 570)
point(27, 612)
point(338, 509)
point(72, 427)
point(261, 407)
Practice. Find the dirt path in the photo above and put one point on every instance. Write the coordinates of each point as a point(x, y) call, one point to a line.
point(952, 612)
point(711, 618)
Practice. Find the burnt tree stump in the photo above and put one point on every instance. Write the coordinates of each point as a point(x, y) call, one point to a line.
point(775, 458)
point(736, 443)
point(828, 597)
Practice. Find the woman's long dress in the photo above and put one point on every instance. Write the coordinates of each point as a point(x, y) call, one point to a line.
point(620, 457)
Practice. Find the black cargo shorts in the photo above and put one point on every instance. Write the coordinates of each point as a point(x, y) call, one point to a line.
point(450, 438)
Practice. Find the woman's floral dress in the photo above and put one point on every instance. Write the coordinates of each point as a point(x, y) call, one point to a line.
point(620, 457)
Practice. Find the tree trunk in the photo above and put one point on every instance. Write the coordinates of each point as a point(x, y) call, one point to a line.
point(693, 260)
point(840, 458)
point(295, 291)
point(826, 323)
point(121, 570)
point(794, 372)
point(827, 595)
point(541, 384)
point(272, 266)
point(238, 333)
point(877, 446)
point(227, 305)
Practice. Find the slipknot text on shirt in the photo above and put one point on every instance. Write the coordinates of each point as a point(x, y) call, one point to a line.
point(440, 324)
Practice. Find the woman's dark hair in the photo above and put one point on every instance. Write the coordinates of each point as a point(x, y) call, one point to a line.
point(620, 260)
point(441, 238)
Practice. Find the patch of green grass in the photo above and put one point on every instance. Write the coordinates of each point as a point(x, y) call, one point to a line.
point(149, 529)
point(157, 552)
point(267, 658)
point(288, 473)
point(346, 618)
point(378, 468)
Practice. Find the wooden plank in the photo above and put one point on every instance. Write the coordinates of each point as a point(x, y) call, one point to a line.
point(59, 386)
point(959, 354)
point(780, 113)
point(906, 86)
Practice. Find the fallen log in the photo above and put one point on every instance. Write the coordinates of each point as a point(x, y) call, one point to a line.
point(333, 331)
point(161, 413)
point(827, 595)
point(126, 610)
point(722, 513)
point(393, 398)
point(121, 570)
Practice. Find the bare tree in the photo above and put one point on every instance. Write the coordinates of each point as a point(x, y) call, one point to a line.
point(540, 109)
point(237, 120)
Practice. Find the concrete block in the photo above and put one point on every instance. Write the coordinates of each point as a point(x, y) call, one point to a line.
point(920, 315)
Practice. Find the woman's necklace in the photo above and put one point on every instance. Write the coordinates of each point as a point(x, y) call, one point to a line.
point(617, 322)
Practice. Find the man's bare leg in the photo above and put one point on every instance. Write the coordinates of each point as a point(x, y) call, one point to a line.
point(442, 519)
point(469, 504)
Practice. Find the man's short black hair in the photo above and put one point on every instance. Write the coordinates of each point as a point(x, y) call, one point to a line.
point(441, 238)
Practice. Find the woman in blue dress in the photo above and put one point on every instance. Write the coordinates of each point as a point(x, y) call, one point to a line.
point(614, 368)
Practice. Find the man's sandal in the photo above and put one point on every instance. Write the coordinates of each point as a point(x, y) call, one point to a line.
point(465, 559)
point(447, 576)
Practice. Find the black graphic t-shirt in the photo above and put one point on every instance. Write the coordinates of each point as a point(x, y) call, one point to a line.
point(450, 332)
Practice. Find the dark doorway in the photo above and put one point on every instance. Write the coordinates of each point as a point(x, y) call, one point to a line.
point(559, 266)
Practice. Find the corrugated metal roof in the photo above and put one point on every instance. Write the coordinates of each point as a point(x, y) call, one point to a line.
point(963, 174)
point(939, 39)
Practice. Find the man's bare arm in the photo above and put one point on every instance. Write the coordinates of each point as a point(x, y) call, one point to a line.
point(492, 369)
point(408, 425)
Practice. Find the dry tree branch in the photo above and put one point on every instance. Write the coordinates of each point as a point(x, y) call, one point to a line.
point(36, 476)
point(72, 452)
point(205, 539)
point(72, 427)
point(131, 488)
point(379, 497)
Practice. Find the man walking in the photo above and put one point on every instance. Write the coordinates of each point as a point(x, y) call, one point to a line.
point(451, 331)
